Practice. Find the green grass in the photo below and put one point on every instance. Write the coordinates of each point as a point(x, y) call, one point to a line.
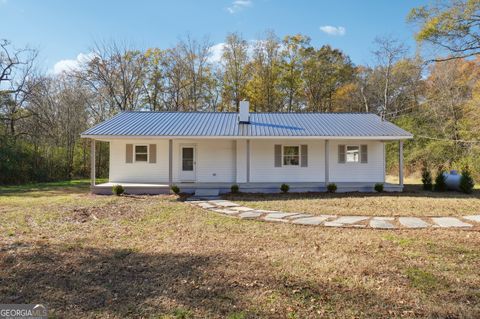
point(157, 257)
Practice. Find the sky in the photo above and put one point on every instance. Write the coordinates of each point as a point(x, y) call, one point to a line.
point(64, 31)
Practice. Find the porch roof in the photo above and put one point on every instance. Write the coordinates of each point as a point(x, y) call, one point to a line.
point(262, 125)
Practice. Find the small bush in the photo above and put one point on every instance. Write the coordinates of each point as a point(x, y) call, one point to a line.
point(379, 187)
point(466, 181)
point(234, 189)
point(426, 179)
point(284, 188)
point(175, 189)
point(332, 188)
point(440, 185)
point(118, 190)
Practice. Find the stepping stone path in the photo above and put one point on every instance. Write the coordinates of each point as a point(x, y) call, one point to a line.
point(226, 207)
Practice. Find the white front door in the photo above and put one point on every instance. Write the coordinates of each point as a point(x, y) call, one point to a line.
point(187, 163)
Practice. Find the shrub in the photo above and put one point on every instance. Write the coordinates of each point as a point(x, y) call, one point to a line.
point(175, 189)
point(426, 179)
point(118, 190)
point(332, 187)
point(379, 187)
point(466, 181)
point(440, 185)
point(284, 188)
point(234, 189)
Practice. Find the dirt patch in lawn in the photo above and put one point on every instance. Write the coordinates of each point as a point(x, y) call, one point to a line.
point(410, 203)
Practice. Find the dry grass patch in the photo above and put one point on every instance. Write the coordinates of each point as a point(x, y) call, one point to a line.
point(412, 202)
point(155, 257)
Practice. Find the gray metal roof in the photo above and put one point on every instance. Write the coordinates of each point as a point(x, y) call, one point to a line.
point(223, 124)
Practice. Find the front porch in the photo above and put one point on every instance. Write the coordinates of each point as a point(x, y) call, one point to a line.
point(223, 188)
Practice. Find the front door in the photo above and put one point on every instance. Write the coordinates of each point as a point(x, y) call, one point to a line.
point(187, 164)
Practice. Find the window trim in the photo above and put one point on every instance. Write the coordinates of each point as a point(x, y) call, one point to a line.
point(135, 153)
point(299, 155)
point(359, 154)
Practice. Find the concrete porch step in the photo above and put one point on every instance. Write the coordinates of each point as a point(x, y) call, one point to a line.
point(206, 192)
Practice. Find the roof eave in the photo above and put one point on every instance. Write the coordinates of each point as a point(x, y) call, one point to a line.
point(289, 137)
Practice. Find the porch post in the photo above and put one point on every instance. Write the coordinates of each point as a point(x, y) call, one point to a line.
point(170, 162)
point(400, 163)
point(248, 161)
point(92, 162)
point(327, 160)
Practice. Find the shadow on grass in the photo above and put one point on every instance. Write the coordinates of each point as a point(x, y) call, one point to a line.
point(42, 189)
point(124, 283)
point(409, 191)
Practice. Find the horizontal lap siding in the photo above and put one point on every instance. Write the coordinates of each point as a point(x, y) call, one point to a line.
point(357, 172)
point(215, 160)
point(262, 164)
point(120, 171)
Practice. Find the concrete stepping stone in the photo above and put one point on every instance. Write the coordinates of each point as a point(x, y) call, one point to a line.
point(250, 214)
point(349, 220)
point(413, 222)
point(205, 205)
point(226, 211)
point(278, 215)
point(223, 203)
point(242, 209)
point(316, 220)
point(473, 218)
point(299, 216)
point(446, 222)
point(381, 222)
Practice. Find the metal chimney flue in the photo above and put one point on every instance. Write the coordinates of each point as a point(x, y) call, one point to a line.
point(244, 113)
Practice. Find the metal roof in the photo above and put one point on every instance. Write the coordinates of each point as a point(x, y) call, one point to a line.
point(225, 124)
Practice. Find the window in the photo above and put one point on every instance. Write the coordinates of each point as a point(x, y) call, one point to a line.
point(141, 153)
point(291, 155)
point(353, 153)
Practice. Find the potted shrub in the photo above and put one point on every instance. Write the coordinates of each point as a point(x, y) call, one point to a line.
point(284, 188)
point(234, 189)
point(118, 190)
point(379, 187)
point(175, 189)
point(332, 188)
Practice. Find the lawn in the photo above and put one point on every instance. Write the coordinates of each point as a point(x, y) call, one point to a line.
point(155, 257)
point(413, 202)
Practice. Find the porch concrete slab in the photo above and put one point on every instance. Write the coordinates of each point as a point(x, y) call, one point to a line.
point(376, 222)
point(413, 222)
point(449, 222)
point(349, 220)
point(223, 203)
point(250, 214)
point(316, 220)
point(473, 218)
point(242, 209)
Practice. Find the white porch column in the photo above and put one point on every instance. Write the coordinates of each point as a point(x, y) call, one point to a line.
point(248, 161)
point(327, 162)
point(400, 163)
point(170, 162)
point(241, 161)
point(92, 162)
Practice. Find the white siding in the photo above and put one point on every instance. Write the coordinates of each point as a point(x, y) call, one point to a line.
point(373, 171)
point(262, 166)
point(120, 171)
point(215, 160)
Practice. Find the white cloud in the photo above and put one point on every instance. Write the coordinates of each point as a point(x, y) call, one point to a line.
point(72, 64)
point(216, 52)
point(238, 5)
point(331, 30)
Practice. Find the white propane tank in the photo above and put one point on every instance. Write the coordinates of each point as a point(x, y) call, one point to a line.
point(452, 180)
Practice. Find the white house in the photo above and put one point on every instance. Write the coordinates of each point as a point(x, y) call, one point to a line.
point(150, 151)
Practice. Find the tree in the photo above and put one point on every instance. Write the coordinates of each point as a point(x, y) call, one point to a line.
point(235, 71)
point(452, 26)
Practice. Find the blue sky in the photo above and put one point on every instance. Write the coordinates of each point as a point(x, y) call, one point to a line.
point(62, 30)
